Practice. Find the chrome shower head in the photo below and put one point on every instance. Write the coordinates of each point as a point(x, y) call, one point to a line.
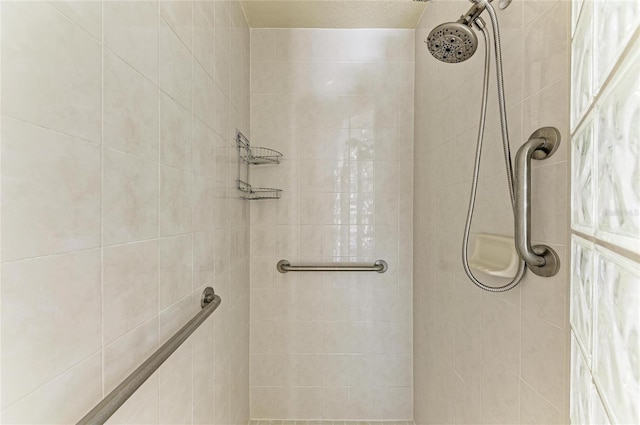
point(452, 42)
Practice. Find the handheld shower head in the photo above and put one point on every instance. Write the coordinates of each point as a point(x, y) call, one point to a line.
point(452, 42)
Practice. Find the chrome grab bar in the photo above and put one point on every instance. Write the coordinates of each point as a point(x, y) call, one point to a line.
point(541, 259)
point(116, 398)
point(379, 266)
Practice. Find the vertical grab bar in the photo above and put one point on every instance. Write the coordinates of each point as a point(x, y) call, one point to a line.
point(541, 259)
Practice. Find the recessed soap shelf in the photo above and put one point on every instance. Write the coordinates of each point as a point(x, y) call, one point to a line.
point(247, 156)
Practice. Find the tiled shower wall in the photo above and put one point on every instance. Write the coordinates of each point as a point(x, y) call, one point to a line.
point(483, 357)
point(605, 219)
point(119, 207)
point(339, 105)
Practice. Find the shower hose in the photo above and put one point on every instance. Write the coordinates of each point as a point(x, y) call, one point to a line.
point(505, 145)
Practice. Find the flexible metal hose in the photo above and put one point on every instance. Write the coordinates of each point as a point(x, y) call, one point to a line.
point(505, 145)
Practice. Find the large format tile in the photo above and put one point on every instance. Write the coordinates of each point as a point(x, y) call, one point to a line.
point(179, 15)
point(50, 70)
point(130, 198)
point(43, 339)
point(543, 354)
point(86, 14)
point(175, 134)
point(546, 41)
point(63, 400)
point(175, 66)
point(175, 265)
point(53, 182)
point(130, 282)
point(131, 31)
point(175, 201)
point(130, 109)
point(125, 354)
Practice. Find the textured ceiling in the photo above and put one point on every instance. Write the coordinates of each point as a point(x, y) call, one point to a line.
point(333, 13)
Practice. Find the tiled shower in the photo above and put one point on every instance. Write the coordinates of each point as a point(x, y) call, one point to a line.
point(119, 205)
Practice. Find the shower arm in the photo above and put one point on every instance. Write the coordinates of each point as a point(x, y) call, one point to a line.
point(541, 259)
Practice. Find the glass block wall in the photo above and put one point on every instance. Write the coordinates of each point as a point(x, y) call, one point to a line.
point(605, 212)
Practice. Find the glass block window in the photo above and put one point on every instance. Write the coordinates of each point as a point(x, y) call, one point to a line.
point(605, 212)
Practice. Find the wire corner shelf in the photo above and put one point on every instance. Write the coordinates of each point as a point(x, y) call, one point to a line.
point(257, 193)
point(248, 156)
point(256, 155)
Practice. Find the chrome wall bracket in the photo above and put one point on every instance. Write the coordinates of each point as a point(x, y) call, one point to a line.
point(208, 295)
point(541, 259)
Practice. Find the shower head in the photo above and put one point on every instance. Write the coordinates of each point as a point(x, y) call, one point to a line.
point(452, 42)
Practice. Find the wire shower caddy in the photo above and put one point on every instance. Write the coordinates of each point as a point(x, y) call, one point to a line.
point(248, 156)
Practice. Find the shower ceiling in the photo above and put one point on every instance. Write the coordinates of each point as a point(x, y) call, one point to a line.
point(333, 13)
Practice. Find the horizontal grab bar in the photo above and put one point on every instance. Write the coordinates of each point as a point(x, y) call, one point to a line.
point(379, 266)
point(116, 398)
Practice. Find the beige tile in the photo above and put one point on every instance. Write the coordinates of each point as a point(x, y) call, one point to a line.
point(176, 396)
point(549, 108)
point(177, 315)
point(130, 282)
point(287, 240)
point(178, 15)
point(468, 358)
point(204, 153)
point(203, 358)
point(500, 394)
point(51, 70)
point(535, 409)
point(47, 171)
point(221, 61)
point(501, 333)
point(175, 134)
point(130, 110)
point(63, 400)
point(308, 370)
point(174, 65)
point(203, 258)
point(175, 201)
point(263, 44)
point(546, 297)
point(204, 204)
point(549, 213)
point(175, 265)
point(130, 198)
point(204, 95)
point(546, 41)
point(468, 398)
point(125, 354)
point(86, 14)
point(142, 407)
point(203, 38)
point(66, 327)
point(131, 31)
point(543, 354)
